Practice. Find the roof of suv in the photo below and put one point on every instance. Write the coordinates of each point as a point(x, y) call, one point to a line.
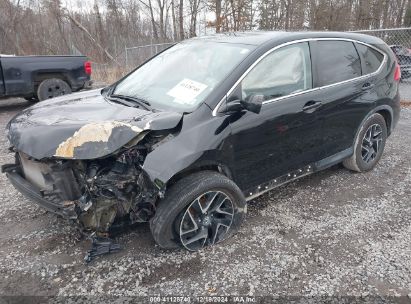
point(262, 37)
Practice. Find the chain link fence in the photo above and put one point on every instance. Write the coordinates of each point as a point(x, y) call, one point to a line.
point(125, 62)
point(394, 36)
point(135, 56)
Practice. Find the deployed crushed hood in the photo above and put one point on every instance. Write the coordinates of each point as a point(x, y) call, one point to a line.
point(82, 126)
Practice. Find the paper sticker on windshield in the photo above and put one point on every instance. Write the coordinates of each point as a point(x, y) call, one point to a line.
point(187, 90)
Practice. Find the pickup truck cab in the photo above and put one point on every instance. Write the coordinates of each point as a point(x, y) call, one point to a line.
point(42, 77)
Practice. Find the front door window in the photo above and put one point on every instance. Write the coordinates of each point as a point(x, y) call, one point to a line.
point(283, 72)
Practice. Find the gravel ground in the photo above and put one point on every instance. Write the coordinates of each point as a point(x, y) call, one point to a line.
point(334, 233)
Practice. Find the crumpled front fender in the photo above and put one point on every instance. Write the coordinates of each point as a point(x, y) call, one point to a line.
point(191, 148)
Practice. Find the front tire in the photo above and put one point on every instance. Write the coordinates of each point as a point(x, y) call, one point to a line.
point(369, 144)
point(199, 210)
point(52, 87)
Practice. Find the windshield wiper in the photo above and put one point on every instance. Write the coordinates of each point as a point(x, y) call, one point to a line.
point(121, 101)
point(144, 103)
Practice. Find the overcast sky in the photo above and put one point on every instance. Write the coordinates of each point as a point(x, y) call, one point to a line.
point(78, 4)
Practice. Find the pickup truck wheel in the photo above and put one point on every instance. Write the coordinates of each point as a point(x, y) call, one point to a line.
point(201, 209)
point(52, 87)
point(369, 145)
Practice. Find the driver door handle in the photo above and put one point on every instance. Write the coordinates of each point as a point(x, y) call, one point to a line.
point(311, 106)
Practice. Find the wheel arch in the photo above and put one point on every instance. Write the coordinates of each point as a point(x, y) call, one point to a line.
point(385, 111)
point(354, 162)
point(388, 117)
point(202, 166)
point(43, 75)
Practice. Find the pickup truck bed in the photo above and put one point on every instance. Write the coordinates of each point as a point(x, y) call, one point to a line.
point(22, 76)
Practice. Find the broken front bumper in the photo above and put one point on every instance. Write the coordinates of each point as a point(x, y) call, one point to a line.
point(50, 202)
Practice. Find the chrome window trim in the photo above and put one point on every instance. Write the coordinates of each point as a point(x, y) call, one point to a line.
point(306, 91)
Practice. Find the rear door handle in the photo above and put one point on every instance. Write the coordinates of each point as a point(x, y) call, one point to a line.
point(367, 86)
point(312, 105)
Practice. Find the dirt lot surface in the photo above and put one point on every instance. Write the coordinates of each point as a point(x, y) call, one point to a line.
point(334, 233)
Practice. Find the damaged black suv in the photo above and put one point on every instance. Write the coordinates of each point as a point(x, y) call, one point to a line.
point(186, 139)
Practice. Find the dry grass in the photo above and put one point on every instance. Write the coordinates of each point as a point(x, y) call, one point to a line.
point(406, 104)
point(107, 74)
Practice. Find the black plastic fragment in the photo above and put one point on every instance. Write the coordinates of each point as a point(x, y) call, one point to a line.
point(100, 246)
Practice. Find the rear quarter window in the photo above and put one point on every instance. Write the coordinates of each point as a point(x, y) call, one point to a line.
point(371, 59)
point(336, 61)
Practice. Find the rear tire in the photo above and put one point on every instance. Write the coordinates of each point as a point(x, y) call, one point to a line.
point(369, 144)
point(207, 200)
point(52, 87)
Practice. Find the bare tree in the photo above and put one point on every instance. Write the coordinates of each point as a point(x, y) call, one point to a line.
point(89, 36)
point(102, 29)
point(181, 19)
point(173, 15)
point(194, 10)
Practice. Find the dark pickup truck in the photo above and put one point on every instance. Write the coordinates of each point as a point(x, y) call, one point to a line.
point(42, 77)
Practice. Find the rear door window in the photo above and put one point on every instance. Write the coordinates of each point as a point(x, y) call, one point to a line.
point(371, 59)
point(336, 61)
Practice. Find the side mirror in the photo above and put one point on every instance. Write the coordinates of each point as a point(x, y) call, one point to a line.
point(233, 106)
point(253, 103)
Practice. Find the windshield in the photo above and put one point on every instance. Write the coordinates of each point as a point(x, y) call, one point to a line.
point(182, 77)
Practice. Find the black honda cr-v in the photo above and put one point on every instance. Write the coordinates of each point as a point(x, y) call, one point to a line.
point(186, 139)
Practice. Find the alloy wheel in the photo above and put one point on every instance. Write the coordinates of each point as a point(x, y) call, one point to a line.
point(206, 221)
point(371, 143)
